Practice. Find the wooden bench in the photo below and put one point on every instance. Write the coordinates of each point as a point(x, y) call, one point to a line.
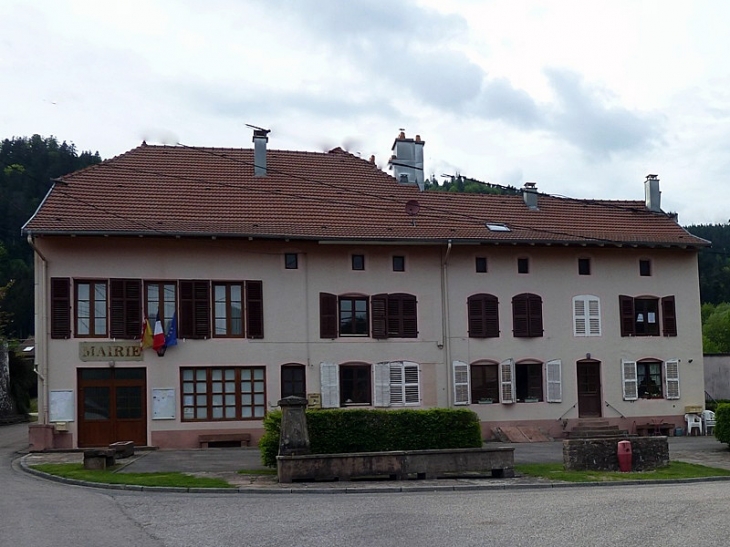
point(663, 428)
point(227, 439)
point(99, 458)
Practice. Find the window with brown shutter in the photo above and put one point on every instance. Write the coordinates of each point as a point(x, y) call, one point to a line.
point(327, 315)
point(194, 309)
point(379, 314)
point(669, 317)
point(483, 318)
point(255, 309)
point(60, 307)
point(527, 316)
point(125, 308)
point(402, 316)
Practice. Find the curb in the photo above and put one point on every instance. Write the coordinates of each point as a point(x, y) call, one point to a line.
point(361, 490)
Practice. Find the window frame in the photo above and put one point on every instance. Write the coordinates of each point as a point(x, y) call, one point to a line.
point(399, 263)
point(523, 265)
point(665, 315)
point(357, 262)
point(257, 393)
point(481, 388)
point(291, 261)
point(291, 376)
point(228, 304)
point(362, 373)
point(529, 381)
point(353, 300)
point(165, 308)
point(92, 317)
point(480, 264)
point(586, 315)
point(645, 267)
point(584, 266)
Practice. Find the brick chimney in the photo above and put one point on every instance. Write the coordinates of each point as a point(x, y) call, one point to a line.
point(407, 160)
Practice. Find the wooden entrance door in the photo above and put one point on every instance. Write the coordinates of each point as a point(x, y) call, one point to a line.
point(112, 406)
point(589, 388)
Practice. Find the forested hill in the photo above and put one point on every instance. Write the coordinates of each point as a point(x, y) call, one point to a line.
point(714, 263)
point(27, 166)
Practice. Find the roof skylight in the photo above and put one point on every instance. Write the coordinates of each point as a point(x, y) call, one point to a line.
point(496, 227)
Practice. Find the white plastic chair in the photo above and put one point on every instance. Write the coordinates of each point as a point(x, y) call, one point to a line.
point(693, 421)
point(708, 421)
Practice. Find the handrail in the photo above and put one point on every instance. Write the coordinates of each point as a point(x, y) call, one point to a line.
point(616, 409)
point(564, 413)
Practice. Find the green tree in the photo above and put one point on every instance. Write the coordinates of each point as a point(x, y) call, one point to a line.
point(716, 328)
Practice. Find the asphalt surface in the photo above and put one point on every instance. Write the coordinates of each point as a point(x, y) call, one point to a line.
point(227, 462)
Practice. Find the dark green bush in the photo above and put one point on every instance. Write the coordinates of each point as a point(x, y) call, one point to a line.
point(722, 423)
point(344, 431)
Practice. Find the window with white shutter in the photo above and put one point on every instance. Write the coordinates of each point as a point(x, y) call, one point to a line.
point(507, 380)
point(671, 377)
point(554, 381)
point(329, 385)
point(397, 384)
point(628, 378)
point(586, 316)
point(461, 383)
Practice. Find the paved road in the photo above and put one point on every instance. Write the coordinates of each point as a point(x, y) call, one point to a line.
point(35, 512)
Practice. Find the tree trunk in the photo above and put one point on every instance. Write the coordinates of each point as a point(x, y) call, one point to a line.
point(6, 403)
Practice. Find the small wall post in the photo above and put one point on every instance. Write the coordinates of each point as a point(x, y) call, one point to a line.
point(294, 438)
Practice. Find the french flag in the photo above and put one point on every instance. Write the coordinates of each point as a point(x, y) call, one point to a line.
point(158, 338)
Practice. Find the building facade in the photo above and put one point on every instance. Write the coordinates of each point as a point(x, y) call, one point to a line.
point(272, 273)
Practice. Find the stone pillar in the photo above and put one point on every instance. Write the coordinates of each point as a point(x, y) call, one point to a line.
point(294, 437)
point(7, 408)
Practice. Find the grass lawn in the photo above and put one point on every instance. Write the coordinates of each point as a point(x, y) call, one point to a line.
point(675, 470)
point(108, 476)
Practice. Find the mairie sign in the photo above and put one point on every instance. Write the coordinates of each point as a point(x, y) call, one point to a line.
point(111, 351)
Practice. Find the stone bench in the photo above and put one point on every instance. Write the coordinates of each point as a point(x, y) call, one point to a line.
point(99, 458)
point(397, 465)
point(242, 439)
point(123, 449)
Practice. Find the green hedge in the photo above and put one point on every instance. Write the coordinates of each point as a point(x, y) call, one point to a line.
point(345, 431)
point(722, 422)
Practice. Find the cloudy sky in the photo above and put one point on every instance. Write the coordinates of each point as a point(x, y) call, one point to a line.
point(584, 97)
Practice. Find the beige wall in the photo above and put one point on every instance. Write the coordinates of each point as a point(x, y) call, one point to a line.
point(291, 315)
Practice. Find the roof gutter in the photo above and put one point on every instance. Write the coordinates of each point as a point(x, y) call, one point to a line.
point(446, 325)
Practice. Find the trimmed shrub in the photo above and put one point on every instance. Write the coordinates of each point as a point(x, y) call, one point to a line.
point(341, 431)
point(722, 423)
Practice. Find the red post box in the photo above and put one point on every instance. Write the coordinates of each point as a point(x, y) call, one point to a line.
point(624, 456)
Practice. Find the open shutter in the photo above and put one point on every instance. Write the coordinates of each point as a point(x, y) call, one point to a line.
point(327, 315)
point(60, 307)
point(554, 381)
point(628, 377)
point(671, 378)
point(383, 394)
point(411, 383)
point(507, 381)
point(462, 391)
point(329, 385)
point(379, 312)
point(669, 316)
point(125, 307)
point(626, 305)
point(255, 309)
point(579, 316)
point(409, 316)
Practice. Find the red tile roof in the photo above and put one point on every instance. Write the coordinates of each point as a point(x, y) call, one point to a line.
point(175, 190)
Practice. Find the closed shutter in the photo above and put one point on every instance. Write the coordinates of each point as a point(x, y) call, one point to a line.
point(669, 316)
point(534, 311)
point(125, 308)
point(60, 307)
point(579, 316)
point(462, 392)
point(671, 375)
point(194, 309)
point(379, 312)
point(629, 380)
point(483, 316)
point(383, 394)
point(255, 309)
point(327, 315)
point(411, 383)
point(329, 385)
point(507, 381)
point(594, 316)
point(520, 318)
point(554, 370)
point(626, 305)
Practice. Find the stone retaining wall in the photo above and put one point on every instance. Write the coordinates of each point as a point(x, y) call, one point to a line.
point(648, 453)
